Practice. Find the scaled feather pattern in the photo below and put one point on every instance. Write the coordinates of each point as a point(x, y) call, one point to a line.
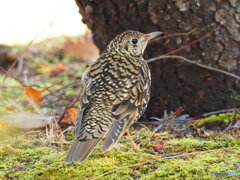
point(115, 95)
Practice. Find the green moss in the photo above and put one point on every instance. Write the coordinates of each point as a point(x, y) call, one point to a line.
point(195, 166)
point(221, 119)
point(33, 159)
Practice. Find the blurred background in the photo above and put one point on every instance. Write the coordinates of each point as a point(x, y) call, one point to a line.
point(45, 48)
point(27, 19)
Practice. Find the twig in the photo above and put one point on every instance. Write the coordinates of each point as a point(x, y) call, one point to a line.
point(175, 34)
point(12, 76)
point(23, 85)
point(194, 42)
point(9, 86)
point(25, 73)
point(60, 82)
point(71, 105)
point(154, 123)
point(20, 64)
point(195, 63)
point(195, 152)
point(233, 121)
point(213, 113)
point(132, 165)
point(56, 95)
point(59, 89)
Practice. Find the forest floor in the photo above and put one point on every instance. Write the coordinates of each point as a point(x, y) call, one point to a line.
point(37, 115)
point(33, 156)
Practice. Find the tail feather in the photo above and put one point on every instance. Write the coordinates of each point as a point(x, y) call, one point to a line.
point(80, 150)
point(109, 142)
point(116, 132)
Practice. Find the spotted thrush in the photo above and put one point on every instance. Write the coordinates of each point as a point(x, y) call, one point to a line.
point(115, 94)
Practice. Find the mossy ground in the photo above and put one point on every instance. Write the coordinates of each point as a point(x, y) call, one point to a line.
point(221, 119)
point(29, 157)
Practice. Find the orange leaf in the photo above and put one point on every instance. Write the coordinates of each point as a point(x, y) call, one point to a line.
point(33, 94)
point(73, 112)
point(59, 69)
point(71, 118)
point(27, 138)
point(178, 111)
point(159, 146)
point(4, 125)
point(57, 132)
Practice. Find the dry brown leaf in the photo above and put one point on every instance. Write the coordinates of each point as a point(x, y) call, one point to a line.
point(159, 146)
point(28, 120)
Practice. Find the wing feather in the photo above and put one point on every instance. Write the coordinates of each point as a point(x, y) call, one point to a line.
point(130, 109)
point(87, 92)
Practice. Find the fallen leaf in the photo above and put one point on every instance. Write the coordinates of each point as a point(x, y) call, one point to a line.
point(178, 111)
point(59, 69)
point(33, 94)
point(28, 120)
point(159, 146)
point(71, 117)
point(57, 132)
point(4, 125)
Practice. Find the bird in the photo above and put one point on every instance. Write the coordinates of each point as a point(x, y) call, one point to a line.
point(115, 94)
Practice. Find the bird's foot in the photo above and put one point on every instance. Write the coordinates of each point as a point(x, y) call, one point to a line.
point(133, 144)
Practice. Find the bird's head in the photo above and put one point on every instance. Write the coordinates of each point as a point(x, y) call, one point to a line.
point(132, 42)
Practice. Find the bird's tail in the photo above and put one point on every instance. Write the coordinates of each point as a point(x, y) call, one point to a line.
point(80, 150)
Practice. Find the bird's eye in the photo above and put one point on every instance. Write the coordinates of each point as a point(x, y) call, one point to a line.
point(134, 41)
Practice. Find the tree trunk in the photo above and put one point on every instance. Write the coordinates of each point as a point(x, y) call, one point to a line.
point(175, 83)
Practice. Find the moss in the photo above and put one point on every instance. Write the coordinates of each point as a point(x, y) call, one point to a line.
point(221, 119)
point(195, 166)
point(21, 158)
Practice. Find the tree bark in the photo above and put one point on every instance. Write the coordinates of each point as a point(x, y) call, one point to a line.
point(177, 83)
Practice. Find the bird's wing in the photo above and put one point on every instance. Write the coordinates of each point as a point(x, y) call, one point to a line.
point(86, 96)
point(129, 109)
point(81, 149)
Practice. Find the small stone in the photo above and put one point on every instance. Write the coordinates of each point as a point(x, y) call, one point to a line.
point(178, 40)
point(220, 16)
point(238, 9)
point(166, 17)
point(233, 2)
point(198, 4)
point(182, 5)
point(88, 9)
point(237, 16)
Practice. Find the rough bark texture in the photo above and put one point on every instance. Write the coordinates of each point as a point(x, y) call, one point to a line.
point(174, 83)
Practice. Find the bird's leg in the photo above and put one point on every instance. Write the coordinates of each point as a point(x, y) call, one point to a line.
point(134, 146)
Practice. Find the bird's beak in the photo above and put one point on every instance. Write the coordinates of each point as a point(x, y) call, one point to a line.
point(153, 34)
